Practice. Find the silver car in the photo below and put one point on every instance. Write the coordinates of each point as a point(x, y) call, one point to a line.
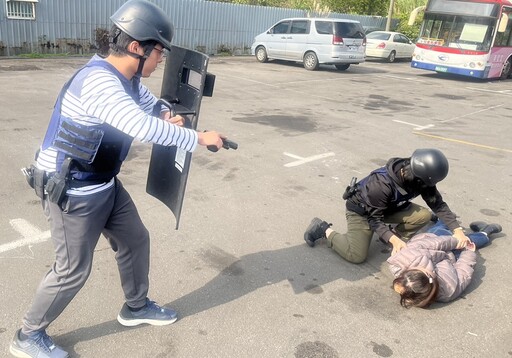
point(313, 41)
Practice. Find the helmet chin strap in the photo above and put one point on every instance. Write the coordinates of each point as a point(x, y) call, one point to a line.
point(142, 59)
point(147, 52)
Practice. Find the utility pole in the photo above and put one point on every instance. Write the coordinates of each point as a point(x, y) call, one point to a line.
point(390, 14)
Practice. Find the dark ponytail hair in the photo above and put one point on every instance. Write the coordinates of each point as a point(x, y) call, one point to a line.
point(419, 289)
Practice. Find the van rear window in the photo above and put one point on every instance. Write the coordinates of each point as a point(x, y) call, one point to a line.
point(324, 27)
point(349, 30)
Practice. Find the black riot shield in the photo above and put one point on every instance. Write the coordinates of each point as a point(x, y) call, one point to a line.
point(185, 82)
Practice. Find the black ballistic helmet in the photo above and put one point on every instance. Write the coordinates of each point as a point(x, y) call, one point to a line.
point(429, 165)
point(144, 21)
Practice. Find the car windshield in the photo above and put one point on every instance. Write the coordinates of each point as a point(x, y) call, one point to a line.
point(378, 36)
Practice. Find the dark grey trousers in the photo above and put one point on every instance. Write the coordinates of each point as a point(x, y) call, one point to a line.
point(75, 230)
point(354, 244)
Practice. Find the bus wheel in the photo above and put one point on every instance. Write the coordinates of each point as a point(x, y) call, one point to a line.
point(505, 73)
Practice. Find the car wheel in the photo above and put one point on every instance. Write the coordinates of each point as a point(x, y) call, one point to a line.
point(392, 57)
point(505, 73)
point(342, 67)
point(310, 61)
point(261, 54)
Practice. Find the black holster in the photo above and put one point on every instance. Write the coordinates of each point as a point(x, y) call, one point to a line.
point(58, 184)
point(351, 189)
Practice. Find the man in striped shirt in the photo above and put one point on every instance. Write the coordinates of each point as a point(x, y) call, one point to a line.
point(97, 115)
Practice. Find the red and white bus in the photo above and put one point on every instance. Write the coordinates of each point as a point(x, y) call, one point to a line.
point(466, 37)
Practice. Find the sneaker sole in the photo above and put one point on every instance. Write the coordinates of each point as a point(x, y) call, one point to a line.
point(17, 353)
point(136, 322)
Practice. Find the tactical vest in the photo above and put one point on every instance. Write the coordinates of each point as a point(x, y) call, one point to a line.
point(401, 196)
point(99, 150)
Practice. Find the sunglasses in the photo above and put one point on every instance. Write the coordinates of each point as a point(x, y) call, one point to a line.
point(161, 52)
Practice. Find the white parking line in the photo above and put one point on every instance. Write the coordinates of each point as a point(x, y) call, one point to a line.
point(417, 126)
point(30, 233)
point(413, 79)
point(507, 92)
point(305, 160)
point(472, 113)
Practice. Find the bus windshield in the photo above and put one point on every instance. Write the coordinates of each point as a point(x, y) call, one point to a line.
point(461, 32)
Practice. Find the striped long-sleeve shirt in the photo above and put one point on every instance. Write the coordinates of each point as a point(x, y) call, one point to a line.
point(97, 96)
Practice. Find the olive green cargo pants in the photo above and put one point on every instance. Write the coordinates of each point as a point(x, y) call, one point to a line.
point(354, 244)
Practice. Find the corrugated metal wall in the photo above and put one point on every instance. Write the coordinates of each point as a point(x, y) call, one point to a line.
point(69, 26)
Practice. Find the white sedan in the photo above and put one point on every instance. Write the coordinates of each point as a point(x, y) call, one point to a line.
point(388, 45)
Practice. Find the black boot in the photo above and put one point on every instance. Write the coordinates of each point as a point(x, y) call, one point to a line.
point(492, 229)
point(477, 226)
point(315, 231)
point(480, 226)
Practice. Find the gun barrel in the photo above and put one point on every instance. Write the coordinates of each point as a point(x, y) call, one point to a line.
point(229, 144)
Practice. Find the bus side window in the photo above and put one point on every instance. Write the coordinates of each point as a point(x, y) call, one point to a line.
point(504, 38)
point(508, 31)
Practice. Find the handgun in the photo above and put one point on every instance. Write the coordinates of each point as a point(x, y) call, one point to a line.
point(226, 144)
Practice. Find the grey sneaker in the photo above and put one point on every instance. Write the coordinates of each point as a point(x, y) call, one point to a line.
point(151, 314)
point(38, 345)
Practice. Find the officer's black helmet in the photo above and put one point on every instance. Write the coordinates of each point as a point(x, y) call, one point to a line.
point(429, 165)
point(144, 21)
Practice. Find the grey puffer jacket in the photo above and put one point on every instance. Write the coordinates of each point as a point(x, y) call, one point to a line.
point(432, 252)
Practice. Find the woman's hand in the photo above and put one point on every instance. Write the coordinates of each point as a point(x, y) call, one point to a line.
point(462, 239)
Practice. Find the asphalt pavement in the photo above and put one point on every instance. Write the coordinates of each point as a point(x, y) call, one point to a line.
point(238, 271)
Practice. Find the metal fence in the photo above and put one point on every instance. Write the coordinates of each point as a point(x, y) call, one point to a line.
point(70, 26)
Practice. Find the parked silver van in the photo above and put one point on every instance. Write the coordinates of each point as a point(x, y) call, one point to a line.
point(313, 41)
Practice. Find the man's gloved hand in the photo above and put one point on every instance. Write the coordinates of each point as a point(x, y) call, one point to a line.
point(461, 238)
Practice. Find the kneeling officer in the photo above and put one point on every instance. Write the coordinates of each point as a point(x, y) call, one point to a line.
point(384, 197)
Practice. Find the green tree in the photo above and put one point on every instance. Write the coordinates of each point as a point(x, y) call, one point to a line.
point(356, 7)
point(274, 3)
point(411, 32)
point(406, 6)
point(359, 7)
point(402, 11)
